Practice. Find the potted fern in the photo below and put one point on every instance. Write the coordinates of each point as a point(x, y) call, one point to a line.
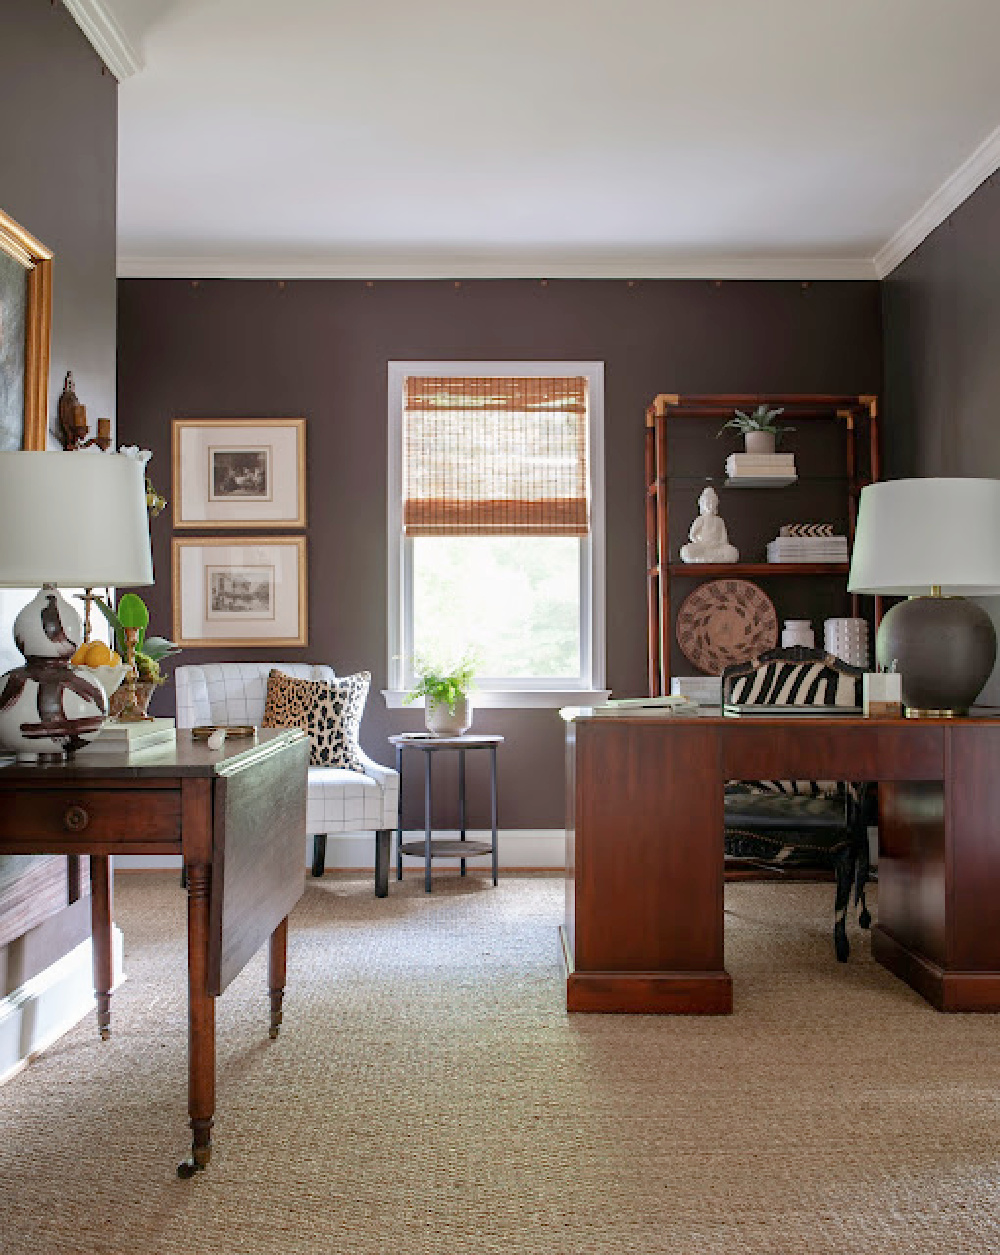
point(759, 430)
point(445, 690)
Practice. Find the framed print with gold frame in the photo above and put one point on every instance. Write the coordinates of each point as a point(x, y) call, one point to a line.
point(239, 472)
point(25, 336)
point(240, 590)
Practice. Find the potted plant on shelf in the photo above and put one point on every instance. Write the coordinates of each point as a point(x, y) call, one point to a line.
point(760, 431)
point(445, 690)
point(131, 619)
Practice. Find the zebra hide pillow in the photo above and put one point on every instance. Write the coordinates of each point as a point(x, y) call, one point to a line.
point(329, 712)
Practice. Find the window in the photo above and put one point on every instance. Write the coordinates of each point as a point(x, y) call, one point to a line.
point(496, 526)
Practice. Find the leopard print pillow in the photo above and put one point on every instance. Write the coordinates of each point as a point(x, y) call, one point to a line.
point(329, 712)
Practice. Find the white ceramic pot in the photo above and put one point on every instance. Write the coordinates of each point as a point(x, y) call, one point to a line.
point(444, 722)
point(798, 632)
point(759, 441)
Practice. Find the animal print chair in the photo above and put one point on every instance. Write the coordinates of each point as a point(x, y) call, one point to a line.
point(338, 800)
point(780, 824)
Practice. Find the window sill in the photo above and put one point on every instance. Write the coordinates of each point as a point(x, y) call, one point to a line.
point(510, 699)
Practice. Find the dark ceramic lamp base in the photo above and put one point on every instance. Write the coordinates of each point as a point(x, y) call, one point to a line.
point(944, 648)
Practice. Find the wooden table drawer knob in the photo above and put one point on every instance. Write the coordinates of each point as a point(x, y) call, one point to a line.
point(76, 818)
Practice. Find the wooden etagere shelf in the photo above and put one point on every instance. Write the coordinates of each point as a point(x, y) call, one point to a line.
point(859, 418)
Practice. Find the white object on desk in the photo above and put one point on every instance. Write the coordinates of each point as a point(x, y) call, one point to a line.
point(217, 739)
point(882, 694)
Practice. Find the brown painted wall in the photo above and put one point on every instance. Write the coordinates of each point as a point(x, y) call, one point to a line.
point(58, 150)
point(58, 165)
point(319, 349)
point(941, 310)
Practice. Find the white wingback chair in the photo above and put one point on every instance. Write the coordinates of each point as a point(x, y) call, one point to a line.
point(339, 800)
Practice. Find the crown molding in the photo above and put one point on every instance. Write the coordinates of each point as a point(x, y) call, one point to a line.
point(958, 187)
point(256, 266)
point(99, 24)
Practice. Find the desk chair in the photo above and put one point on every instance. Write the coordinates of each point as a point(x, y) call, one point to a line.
point(780, 824)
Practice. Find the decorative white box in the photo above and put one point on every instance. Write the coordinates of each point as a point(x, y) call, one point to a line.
point(882, 694)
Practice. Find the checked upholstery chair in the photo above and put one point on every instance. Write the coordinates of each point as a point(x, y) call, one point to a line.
point(779, 824)
point(339, 800)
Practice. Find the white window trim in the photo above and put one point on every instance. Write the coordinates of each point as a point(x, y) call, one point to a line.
point(553, 693)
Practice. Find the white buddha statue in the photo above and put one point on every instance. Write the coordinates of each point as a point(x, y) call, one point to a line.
point(709, 540)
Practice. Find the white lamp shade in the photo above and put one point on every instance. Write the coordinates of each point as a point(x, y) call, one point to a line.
point(75, 519)
point(913, 534)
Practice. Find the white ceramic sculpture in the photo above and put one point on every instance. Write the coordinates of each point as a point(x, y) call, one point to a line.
point(709, 540)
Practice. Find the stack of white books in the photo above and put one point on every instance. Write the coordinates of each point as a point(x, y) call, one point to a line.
point(808, 549)
point(706, 690)
point(131, 738)
point(654, 706)
point(751, 470)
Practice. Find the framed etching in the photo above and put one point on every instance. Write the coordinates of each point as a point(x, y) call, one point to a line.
point(239, 472)
point(241, 591)
point(25, 333)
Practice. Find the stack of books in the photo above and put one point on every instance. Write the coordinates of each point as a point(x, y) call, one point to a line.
point(808, 549)
point(655, 706)
point(131, 738)
point(756, 470)
point(706, 690)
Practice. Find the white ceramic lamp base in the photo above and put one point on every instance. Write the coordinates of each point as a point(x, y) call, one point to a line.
point(47, 708)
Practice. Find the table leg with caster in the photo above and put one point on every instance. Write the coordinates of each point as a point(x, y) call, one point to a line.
point(100, 915)
point(201, 1025)
point(277, 963)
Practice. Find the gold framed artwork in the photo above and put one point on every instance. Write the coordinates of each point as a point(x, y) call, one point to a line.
point(25, 336)
point(240, 590)
point(239, 472)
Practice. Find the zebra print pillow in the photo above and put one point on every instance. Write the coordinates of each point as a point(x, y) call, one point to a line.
point(785, 683)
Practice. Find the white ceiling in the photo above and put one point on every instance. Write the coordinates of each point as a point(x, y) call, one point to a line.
point(548, 137)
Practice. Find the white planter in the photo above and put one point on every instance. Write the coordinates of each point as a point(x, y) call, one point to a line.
point(443, 722)
point(759, 441)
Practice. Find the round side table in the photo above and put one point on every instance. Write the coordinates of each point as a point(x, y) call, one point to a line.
point(432, 847)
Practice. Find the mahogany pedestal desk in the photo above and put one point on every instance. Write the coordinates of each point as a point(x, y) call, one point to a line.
point(644, 859)
point(238, 817)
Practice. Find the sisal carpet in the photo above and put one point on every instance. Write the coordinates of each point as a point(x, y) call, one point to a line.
point(429, 1094)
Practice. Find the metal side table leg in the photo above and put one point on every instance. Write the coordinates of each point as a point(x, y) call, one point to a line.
point(461, 799)
point(427, 820)
point(399, 821)
point(493, 805)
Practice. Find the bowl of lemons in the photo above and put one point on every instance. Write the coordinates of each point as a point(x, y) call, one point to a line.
point(102, 663)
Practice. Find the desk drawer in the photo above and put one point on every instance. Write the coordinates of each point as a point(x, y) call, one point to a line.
point(90, 821)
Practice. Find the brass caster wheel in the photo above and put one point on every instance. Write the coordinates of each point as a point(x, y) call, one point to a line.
point(105, 1034)
point(272, 1032)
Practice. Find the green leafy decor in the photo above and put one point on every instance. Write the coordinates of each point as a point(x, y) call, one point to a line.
point(761, 419)
point(441, 685)
point(150, 651)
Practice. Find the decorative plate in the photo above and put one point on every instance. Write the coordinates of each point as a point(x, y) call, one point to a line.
point(725, 621)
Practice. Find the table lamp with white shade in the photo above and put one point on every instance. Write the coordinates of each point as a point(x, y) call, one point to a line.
point(78, 520)
point(935, 542)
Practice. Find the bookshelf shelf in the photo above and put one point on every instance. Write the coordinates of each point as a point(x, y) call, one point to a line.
point(858, 417)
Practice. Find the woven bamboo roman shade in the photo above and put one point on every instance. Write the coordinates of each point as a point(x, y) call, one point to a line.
point(495, 456)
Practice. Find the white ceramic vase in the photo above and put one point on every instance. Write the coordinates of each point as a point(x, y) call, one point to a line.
point(47, 707)
point(759, 441)
point(444, 722)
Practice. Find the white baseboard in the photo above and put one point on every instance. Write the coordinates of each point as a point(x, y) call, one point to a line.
point(538, 848)
point(48, 1005)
